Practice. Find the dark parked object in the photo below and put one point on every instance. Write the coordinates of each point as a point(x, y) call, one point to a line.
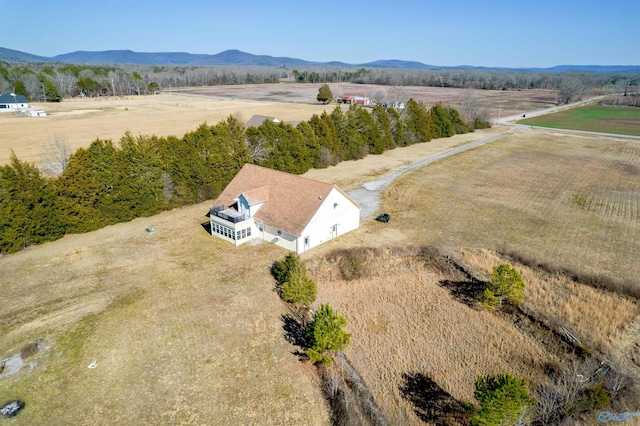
point(11, 408)
point(384, 218)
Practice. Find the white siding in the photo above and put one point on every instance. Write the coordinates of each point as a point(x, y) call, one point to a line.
point(279, 237)
point(335, 210)
point(235, 233)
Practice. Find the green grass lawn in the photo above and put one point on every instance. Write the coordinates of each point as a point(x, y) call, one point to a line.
point(604, 119)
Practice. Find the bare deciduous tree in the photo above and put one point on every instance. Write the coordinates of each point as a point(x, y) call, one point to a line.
point(471, 110)
point(55, 156)
point(572, 88)
point(258, 150)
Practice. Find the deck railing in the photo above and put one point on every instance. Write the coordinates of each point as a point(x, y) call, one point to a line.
point(218, 211)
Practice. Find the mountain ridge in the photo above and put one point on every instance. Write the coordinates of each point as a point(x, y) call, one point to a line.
point(234, 57)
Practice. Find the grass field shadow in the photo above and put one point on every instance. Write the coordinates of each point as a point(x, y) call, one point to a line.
point(465, 291)
point(431, 403)
point(294, 332)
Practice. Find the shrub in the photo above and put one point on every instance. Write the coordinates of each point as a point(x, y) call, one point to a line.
point(502, 398)
point(283, 268)
point(326, 334)
point(295, 286)
point(593, 397)
point(299, 288)
point(506, 285)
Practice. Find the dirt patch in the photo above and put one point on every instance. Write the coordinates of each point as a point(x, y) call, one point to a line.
point(65, 316)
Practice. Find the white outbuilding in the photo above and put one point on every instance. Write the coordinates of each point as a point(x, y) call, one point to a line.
point(13, 102)
point(291, 211)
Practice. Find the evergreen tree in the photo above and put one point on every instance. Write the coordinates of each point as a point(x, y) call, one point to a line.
point(187, 168)
point(326, 334)
point(352, 142)
point(325, 130)
point(79, 194)
point(417, 122)
point(230, 141)
point(502, 398)
point(108, 173)
point(287, 151)
point(383, 122)
point(324, 94)
point(29, 209)
point(20, 89)
point(459, 126)
point(506, 284)
point(311, 143)
point(440, 121)
point(299, 288)
point(51, 93)
point(370, 132)
point(142, 172)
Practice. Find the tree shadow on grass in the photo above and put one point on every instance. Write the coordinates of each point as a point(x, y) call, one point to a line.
point(467, 292)
point(432, 403)
point(294, 333)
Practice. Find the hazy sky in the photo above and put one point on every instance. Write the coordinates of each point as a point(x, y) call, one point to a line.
point(514, 33)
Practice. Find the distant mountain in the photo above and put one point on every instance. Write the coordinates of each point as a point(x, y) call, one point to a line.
point(128, 57)
point(395, 63)
point(17, 56)
point(239, 58)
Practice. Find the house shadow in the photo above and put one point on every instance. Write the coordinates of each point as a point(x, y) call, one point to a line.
point(293, 332)
point(467, 292)
point(431, 403)
point(206, 226)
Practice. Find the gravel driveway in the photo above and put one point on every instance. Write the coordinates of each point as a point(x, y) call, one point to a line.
point(369, 194)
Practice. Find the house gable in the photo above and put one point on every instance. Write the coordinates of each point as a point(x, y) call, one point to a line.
point(282, 207)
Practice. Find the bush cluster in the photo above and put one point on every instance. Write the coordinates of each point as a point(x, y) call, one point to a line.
point(294, 284)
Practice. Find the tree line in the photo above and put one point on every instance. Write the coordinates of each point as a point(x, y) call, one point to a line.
point(49, 82)
point(107, 183)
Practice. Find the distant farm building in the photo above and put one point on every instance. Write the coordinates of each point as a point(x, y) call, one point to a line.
point(392, 104)
point(13, 102)
point(360, 100)
point(291, 211)
point(257, 120)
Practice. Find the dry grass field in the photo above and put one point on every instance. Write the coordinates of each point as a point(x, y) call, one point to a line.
point(81, 121)
point(568, 200)
point(186, 329)
point(420, 344)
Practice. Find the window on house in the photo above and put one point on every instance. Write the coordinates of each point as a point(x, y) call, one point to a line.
point(248, 232)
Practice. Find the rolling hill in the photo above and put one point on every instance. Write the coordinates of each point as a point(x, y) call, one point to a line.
point(238, 58)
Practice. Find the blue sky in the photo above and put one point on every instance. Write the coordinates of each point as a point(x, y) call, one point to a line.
point(511, 33)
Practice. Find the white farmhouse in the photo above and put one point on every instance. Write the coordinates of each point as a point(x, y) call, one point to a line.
point(13, 102)
point(291, 211)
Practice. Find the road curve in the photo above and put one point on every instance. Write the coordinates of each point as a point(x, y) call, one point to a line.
point(369, 194)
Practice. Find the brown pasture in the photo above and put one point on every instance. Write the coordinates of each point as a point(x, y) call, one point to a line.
point(187, 329)
point(78, 122)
